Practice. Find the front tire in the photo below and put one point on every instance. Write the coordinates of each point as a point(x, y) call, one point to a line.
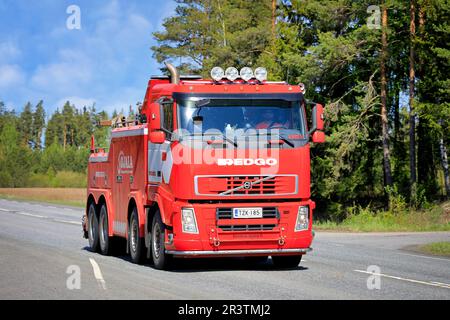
point(161, 260)
point(136, 243)
point(286, 262)
point(106, 241)
point(93, 228)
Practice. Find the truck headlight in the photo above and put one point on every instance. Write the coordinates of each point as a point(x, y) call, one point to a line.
point(302, 218)
point(188, 221)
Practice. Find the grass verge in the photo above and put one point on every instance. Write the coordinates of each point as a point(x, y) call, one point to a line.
point(436, 248)
point(434, 219)
point(65, 196)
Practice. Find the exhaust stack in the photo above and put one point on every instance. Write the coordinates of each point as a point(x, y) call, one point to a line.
point(174, 75)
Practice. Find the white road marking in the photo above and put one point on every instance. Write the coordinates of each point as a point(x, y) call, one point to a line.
point(426, 257)
point(431, 283)
point(98, 274)
point(31, 215)
point(68, 221)
point(23, 213)
point(444, 284)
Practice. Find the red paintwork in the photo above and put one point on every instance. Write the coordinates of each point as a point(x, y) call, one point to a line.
point(179, 192)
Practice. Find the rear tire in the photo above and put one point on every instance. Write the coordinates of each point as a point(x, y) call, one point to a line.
point(93, 228)
point(105, 241)
point(136, 243)
point(161, 260)
point(286, 262)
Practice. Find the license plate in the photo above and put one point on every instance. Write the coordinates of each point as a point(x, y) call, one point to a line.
point(240, 213)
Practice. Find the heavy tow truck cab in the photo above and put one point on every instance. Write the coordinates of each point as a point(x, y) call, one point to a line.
point(209, 168)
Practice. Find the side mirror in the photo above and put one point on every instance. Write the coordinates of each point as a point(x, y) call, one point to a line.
point(155, 116)
point(157, 137)
point(317, 118)
point(318, 137)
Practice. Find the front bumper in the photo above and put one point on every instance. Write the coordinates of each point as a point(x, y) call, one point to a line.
point(214, 239)
point(232, 253)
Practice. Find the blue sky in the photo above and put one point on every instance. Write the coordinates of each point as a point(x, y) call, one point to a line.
point(108, 61)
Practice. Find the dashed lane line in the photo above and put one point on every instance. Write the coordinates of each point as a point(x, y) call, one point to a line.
point(22, 213)
point(431, 283)
point(27, 214)
point(98, 274)
point(422, 256)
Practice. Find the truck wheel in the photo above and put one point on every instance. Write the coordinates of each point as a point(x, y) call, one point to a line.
point(93, 228)
point(161, 260)
point(286, 262)
point(106, 242)
point(136, 243)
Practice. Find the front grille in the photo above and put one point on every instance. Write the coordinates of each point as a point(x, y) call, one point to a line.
point(246, 185)
point(247, 227)
point(227, 213)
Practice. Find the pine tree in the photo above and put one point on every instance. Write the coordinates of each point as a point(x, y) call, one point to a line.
point(38, 125)
point(26, 125)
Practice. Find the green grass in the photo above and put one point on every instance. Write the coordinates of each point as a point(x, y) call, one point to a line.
point(434, 219)
point(436, 248)
point(63, 196)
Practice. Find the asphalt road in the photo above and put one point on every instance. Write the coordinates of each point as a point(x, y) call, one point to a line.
point(42, 250)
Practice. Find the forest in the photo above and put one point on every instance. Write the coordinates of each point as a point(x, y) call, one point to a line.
point(379, 68)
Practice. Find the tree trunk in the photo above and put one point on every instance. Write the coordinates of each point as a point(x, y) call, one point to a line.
point(384, 117)
point(444, 161)
point(222, 18)
point(396, 105)
point(274, 7)
point(412, 117)
point(64, 137)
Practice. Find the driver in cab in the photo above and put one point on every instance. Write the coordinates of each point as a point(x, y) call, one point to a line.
point(268, 120)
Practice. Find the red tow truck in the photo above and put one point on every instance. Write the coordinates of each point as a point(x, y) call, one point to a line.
point(209, 168)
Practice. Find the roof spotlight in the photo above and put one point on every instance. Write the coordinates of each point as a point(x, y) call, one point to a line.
point(302, 87)
point(261, 74)
point(231, 73)
point(217, 73)
point(246, 73)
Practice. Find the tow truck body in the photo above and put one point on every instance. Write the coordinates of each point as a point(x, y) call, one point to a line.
point(194, 176)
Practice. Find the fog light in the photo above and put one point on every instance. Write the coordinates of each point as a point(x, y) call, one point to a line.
point(302, 218)
point(188, 221)
point(231, 73)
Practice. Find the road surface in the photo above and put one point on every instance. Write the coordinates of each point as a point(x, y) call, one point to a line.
point(42, 253)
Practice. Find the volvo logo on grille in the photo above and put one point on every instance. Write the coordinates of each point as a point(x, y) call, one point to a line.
point(247, 185)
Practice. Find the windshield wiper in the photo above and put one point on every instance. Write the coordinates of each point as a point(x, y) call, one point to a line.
point(221, 134)
point(229, 140)
point(282, 138)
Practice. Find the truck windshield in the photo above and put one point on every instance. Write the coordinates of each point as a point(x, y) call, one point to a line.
point(239, 116)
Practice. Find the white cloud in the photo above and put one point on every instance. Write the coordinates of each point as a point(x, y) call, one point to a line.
point(8, 51)
point(72, 70)
point(79, 102)
point(107, 62)
point(11, 75)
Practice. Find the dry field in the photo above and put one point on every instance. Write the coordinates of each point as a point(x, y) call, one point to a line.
point(68, 196)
